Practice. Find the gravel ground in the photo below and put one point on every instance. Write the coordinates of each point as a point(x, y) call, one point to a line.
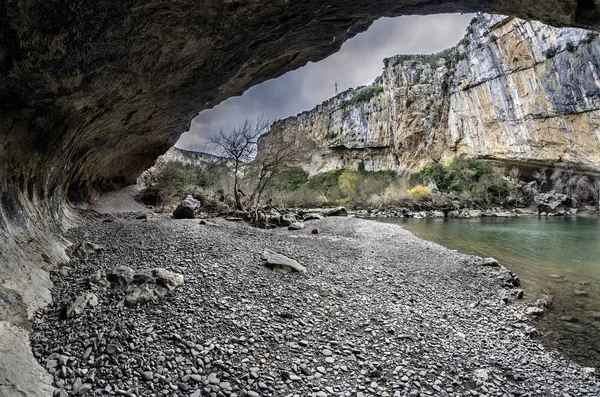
point(379, 312)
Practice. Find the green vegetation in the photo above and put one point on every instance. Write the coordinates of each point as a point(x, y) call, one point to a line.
point(353, 188)
point(289, 180)
point(550, 52)
point(570, 47)
point(168, 182)
point(591, 36)
point(477, 178)
point(451, 55)
point(364, 95)
point(330, 136)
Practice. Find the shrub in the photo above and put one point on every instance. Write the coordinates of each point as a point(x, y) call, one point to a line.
point(364, 95)
point(550, 52)
point(394, 195)
point(420, 192)
point(570, 47)
point(591, 36)
point(465, 174)
point(344, 186)
point(290, 179)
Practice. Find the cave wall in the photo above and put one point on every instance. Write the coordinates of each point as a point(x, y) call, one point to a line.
point(91, 92)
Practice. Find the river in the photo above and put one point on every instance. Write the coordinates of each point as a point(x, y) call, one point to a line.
point(558, 257)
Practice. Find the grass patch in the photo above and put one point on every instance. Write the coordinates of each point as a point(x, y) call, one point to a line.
point(364, 95)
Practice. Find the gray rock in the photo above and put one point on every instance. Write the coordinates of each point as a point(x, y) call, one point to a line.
point(183, 212)
point(489, 262)
point(213, 379)
point(196, 378)
point(80, 303)
point(534, 311)
point(281, 263)
point(287, 220)
point(312, 217)
point(339, 211)
point(481, 374)
point(296, 226)
point(85, 249)
point(120, 276)
point(86, 387)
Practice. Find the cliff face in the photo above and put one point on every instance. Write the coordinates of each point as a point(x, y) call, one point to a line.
point(512, 90)
point(192, 158)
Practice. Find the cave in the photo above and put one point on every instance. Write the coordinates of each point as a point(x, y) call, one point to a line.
point(91, 92)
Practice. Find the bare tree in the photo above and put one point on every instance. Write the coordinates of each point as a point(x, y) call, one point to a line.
point(276, 152)
point(239, 145)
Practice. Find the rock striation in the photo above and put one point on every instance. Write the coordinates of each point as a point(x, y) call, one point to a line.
point(514, 91)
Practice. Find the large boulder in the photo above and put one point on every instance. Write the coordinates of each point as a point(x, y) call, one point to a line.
point(141, 286)
point(551, 202)
point(187, 208)
point(183, 212)
point(190, 202)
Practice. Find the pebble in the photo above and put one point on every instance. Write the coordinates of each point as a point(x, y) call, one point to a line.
point(378, 312)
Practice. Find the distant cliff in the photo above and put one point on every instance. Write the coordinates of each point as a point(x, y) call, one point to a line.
point(513, 91)
point(192, 157)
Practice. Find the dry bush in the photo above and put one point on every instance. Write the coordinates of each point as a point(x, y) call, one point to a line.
point(420, 192)
point(394, 195)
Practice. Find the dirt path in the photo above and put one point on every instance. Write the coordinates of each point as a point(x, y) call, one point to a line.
point(119, 201)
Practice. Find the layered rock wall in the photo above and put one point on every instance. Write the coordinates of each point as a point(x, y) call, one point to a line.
point(513, 91)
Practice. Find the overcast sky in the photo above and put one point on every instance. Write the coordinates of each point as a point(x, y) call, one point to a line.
point(359, 62)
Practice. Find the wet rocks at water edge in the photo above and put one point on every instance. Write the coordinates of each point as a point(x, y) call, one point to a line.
point(378, 313)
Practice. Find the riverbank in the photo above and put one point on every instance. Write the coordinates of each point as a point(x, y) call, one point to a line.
point(378, 312)
point(555, 257)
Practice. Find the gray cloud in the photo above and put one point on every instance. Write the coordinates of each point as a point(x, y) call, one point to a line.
point(358, 62)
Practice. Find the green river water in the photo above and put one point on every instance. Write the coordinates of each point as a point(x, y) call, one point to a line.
point(558, 257)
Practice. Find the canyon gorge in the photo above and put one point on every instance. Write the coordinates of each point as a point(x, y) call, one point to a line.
point(515, 92)
point(91, 92)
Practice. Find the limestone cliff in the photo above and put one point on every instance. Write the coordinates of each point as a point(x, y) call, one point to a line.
point(512, 90)
point(191, 157)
